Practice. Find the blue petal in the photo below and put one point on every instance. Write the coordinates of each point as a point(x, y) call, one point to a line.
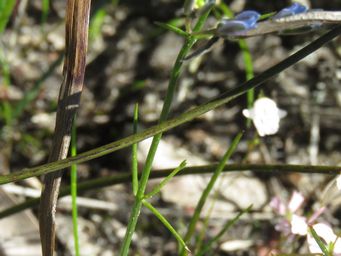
point(243, 21)
point(250, 18)
point(293, 9)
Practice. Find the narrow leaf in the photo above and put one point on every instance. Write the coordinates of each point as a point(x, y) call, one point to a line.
point(225, 228)
point(209, 187)
point(172, 28)
point(134, 162)
point(166, 224)
point(5, 13)
point(319, 241)
point(166, 180)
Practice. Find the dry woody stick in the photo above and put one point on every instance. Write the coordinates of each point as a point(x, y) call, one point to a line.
point(76, 40)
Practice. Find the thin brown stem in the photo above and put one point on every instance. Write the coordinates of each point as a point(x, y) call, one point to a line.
point(77, 21)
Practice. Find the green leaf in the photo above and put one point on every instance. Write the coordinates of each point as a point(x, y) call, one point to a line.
point(134, 162)
point(6, 9)
point(73, 150)
point(45, 11)
point(96, 23)
point(166, 180)
point(319, 241)
point(166, 224)
point(225, 228)
point(172, 28)
point(209, 187)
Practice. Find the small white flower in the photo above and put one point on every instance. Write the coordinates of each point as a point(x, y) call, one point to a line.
point(296, 201)
point(299, 225)
point(265, 115)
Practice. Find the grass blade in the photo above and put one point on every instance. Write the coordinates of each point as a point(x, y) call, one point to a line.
point(74, 189)
point(6, 9)
point(209, 187)
point(319, 241)
point(45, 11)
point(172, 28)
point(134, 162)
point(166, 180)
point(225, 228)
point(166, 224)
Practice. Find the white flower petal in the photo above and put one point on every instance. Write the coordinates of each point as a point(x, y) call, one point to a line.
point(296, 201)
point(247, 113)
point(265, 115)
point(298, 225)
point(282, 113)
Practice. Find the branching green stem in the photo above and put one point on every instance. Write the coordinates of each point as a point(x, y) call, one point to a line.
point(156, 139)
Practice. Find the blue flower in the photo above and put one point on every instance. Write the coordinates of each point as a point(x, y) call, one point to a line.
point(293, 9)
point(244, 21)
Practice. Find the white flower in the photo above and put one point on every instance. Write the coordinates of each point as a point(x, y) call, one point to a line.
point(298, 225)
point(326, 233)
point(265, 115)
point(296, 201)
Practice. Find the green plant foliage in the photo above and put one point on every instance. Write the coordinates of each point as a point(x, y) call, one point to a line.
point(6, 9)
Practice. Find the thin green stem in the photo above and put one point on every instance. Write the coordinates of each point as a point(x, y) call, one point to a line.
point(126, 177)
point(320, 243)
point(74, 189)
point(248, 69)
point(6, 9)
point(165, 223)
point(156, 139)
point(6, 106)
point(158, 188)
point(247, 61)
point(183, 118)
point(134, 162)
point(250, 95)
point(208, 189)
point(226, 227)
point(172, 28)
point(45, 11)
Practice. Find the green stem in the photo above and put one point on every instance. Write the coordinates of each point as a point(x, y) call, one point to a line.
point(167, 125)
point(134, 162)
point(156, 139)
point(226, 227)
point(208, 189)
point(6, 106)
point(248, 69)
point(165, 223)
point(126, 177)
point(74, 190)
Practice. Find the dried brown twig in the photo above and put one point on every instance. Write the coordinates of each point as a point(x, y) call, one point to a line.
point(77, 21)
